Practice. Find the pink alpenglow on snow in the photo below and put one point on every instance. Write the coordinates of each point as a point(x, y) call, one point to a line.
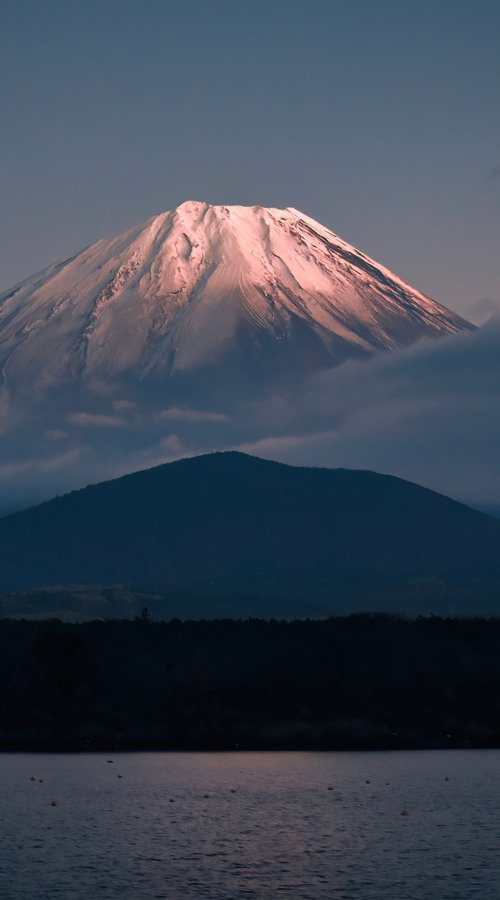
point(190, 288)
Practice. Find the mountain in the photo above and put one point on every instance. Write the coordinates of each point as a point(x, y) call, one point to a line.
point(202, 286)
point(229, 524)
point(168, 339)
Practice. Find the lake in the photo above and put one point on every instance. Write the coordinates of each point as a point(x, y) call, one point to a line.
point(264, 825)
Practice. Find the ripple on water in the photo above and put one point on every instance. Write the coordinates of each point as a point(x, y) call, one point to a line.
point(283, 833)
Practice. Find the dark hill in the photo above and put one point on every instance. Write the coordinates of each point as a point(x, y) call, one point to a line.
point(228, 521)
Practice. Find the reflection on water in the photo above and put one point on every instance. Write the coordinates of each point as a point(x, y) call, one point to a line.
point(265, 825)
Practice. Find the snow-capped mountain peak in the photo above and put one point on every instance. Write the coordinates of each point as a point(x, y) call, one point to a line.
point(199, 287)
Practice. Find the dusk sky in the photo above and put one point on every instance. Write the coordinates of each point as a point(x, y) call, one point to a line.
point(379, 119)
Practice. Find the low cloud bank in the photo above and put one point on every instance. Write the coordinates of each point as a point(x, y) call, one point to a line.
point(430, 414)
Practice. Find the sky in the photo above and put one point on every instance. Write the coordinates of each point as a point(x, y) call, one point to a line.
point(379, 119)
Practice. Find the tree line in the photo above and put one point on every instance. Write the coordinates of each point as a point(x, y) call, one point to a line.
point(361, 681)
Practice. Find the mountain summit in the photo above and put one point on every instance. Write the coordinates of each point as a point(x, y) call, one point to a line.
point(232, 524)
point(203, 286)
point(198, 330)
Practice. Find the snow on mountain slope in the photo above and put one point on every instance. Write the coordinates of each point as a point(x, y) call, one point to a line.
point(205, 328)
point(193, 287)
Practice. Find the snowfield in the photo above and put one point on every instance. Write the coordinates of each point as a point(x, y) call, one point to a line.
point(193, 287)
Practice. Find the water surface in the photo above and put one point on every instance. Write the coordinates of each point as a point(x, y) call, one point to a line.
point(301, 825)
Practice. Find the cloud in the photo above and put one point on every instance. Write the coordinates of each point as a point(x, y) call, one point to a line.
point(287, 447)
point(7, 470)
point(167, 449)
point(56, 434)
point(11, 414)
point(123, 405)
point(47, 464)
point(96, 420)
point(63, 461)
point(30, 480)
point(182, 414)
point(484, 309)
point(429, 414)
point(102, 388)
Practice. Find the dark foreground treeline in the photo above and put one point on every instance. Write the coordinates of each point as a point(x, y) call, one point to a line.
point(356, 682)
